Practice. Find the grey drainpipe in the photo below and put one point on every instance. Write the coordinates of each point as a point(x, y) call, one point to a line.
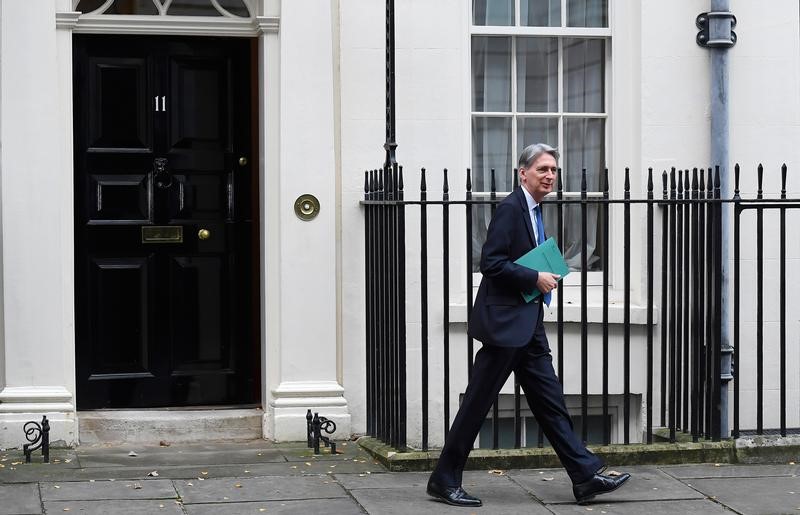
point(717, 35)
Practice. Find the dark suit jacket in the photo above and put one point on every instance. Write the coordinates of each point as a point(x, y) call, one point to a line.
point(500, 316)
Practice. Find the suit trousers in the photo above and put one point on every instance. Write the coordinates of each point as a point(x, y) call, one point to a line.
point(533, 366)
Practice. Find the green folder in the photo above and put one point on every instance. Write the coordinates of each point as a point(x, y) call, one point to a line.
point(543, 258)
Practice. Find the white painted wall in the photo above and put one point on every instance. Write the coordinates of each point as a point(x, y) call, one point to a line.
point(301, 342)
point(37, 271)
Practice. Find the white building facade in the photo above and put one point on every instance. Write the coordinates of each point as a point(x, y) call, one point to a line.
point(614, 84)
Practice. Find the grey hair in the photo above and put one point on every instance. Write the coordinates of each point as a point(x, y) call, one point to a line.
point(533, 152)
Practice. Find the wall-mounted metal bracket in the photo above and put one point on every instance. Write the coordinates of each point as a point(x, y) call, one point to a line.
point(716, 29)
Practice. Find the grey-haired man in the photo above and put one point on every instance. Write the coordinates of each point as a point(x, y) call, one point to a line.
point(513, 337)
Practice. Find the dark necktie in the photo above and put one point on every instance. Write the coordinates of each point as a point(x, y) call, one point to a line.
point(540, 239)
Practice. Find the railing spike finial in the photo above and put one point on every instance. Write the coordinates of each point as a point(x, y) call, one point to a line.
point(445, 185)
point(366, 183)
point(673, 184)
point(702, 184)
point(515, 178)
point(605, 182)
point(650, 181)
point(783, 181)
point(627, 180)
point(469, 180)
point(736, 172)
point(493, 183)
point(717, 181)
point(422, 184)
point(560, 181)
point(694, 179)
point(710, 185)
point(583, 184)
point(760, 193)
point(664, 178)
point(400, 180)
point(680, 183)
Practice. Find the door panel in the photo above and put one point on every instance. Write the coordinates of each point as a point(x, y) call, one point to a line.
point(120, 316)
point(118, 92)
point(162, 265)
point(120, 197)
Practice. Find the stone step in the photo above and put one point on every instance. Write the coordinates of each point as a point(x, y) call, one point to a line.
point(173, 425)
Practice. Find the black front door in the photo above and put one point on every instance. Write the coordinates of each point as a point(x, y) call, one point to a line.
point(163, 222)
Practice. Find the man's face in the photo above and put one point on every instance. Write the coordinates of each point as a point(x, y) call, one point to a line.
point(539, 178)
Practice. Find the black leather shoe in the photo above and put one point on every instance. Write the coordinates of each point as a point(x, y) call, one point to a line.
point(452, 495)
point(598, 484)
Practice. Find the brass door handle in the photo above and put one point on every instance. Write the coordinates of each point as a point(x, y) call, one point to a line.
point(204, 234)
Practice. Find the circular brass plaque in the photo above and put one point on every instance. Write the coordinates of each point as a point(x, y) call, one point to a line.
point(306, 207)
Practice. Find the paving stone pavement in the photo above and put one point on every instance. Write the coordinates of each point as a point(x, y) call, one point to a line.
point(263, 477)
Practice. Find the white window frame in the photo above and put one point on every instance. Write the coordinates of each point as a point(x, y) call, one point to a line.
point(516, 31)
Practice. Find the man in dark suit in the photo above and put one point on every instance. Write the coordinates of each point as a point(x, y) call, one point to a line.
point(513, 337)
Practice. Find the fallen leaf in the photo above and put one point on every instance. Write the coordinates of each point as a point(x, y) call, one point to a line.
point(204, 472)
point(16, 463)
point(137, 486)
point(160, 505)
point(189, 484)
point(153, 474)
point(497, 472)
point(132, 454)
point(246, 471)
point(163, 443)
point(67, 460)
point(66, 509)
point(56, 487)
point(308, 464)
point(262, 509)
point(547, 479)
point(237, 485)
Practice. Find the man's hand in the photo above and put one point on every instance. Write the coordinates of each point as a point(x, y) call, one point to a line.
point(547, 282)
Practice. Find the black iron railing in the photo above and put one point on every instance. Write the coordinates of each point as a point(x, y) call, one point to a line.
point(683, 336)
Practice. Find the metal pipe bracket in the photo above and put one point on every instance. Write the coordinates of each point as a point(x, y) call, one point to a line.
point(716, 29)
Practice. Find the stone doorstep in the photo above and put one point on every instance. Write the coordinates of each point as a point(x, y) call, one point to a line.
point(728, 451)
point(176, 426)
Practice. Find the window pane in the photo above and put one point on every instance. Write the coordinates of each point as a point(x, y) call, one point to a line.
point(132, 7)
point(584, 75)
point(536, 130)
point(493, 12)
point(587, 13)
point(537, 74)
point(87, 6)
point(491, 148)
point(584, 145)
point(505, 433)
point(491, 73)
point(192, 8)
point(540, 13)
point(235, 7)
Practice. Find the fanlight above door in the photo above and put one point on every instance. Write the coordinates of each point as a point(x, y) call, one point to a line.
point(227, 8)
